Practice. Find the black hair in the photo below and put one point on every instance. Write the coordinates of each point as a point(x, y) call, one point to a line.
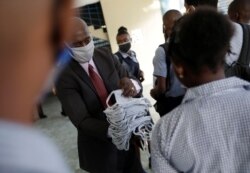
point(239, 3)
point(169, 12)
point(122, 30)
point(232, 6)
point(201, 39)
point(192, 2)
point(211, 3)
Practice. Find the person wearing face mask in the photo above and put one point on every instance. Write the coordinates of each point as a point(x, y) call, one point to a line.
point(126, 56)
point(83, 89)
point(167, 90)
point(31, 38)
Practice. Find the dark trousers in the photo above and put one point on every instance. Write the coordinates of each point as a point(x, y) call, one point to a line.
point(132, 162)
point(126, 162)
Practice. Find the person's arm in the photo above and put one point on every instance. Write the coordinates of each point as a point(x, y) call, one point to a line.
point(140, 73)
point(141, 76)
point(131, 87)
point(77, 111)
point(159, 154)
point(160, 72)
point(159, 88)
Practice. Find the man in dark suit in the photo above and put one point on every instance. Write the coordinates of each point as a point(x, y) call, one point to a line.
point(82, 90)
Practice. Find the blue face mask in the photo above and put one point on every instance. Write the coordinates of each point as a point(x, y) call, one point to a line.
point(62, 60)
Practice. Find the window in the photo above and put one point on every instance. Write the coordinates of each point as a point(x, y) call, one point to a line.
point(223, 5)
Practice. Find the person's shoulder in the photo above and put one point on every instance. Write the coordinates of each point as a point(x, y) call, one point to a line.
point(160, 54)
point(160, 49)
point(28, 149)
point(238, 30)
point(235, 25)
point(117, 54)
point(103, 53)
point(102, 50)
point(133, 53)
point(167, 124)
point(68, 71)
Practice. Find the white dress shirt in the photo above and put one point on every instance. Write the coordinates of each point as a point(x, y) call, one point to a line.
point(236, 44)
point(85, 66)
point(132, 55)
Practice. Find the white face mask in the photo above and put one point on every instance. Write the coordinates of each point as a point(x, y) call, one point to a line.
point(85, 53)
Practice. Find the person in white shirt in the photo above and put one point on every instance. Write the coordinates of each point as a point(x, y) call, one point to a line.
point(32, 34)
point(209, 131)
point(236, 41)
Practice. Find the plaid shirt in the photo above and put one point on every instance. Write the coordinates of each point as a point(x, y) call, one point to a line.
point(208, 132)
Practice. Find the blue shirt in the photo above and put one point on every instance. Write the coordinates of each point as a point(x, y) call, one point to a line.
point(160, 69)
point(208, 132)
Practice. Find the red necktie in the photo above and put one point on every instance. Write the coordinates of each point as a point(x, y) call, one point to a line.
point(99, 85)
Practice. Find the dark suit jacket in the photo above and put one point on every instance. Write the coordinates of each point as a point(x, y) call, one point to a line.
point(81, 103)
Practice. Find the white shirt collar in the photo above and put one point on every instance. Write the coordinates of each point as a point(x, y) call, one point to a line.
point(124, 55)
point(85, 66)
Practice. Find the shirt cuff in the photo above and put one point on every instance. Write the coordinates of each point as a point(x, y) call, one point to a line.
point(137, 86)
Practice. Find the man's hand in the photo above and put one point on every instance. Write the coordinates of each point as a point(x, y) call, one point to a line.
point(141, 76)
point(128, 87)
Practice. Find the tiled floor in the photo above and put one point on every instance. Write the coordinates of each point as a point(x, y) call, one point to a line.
point(61, 130)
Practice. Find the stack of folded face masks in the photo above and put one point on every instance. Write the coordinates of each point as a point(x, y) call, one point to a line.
point(128, 116)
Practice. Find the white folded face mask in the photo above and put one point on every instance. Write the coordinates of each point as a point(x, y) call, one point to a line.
point(127, 117)
point(119, 98)
point(85, 53)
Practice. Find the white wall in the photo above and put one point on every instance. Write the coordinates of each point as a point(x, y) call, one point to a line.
point(143, 19)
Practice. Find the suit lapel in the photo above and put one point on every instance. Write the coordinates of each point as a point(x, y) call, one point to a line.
point(77, 68)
